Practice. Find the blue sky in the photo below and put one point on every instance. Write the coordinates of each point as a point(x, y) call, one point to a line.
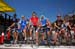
point(49, 8)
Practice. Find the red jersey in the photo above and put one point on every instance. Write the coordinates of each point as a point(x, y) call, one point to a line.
point(34, 20)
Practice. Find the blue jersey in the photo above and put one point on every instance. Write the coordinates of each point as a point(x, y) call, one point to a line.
point(23, 24)
point(43, 21)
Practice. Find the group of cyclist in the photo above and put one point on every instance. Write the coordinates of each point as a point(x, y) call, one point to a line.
point(42, 26)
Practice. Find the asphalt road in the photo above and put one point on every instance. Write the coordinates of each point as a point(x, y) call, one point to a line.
point(34, 47)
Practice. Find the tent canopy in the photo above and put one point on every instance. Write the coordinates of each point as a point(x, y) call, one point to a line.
point(4, 7)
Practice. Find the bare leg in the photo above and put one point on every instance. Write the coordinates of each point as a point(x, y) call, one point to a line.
point(30, 34)
point(24, 31)
point(15, 36)
point(37, 38)
point(43, 37)
point(55, 37)
point(48, 33)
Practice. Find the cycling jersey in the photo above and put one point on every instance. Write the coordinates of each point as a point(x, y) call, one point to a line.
point(23, 24)
point(43, 22)
point(34, 21)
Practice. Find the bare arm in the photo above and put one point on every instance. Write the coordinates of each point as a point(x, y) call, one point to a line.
point(12, 25)
point(56, 25)
point(69, 26)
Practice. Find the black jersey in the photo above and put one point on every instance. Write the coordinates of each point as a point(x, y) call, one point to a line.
point(59, 22)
